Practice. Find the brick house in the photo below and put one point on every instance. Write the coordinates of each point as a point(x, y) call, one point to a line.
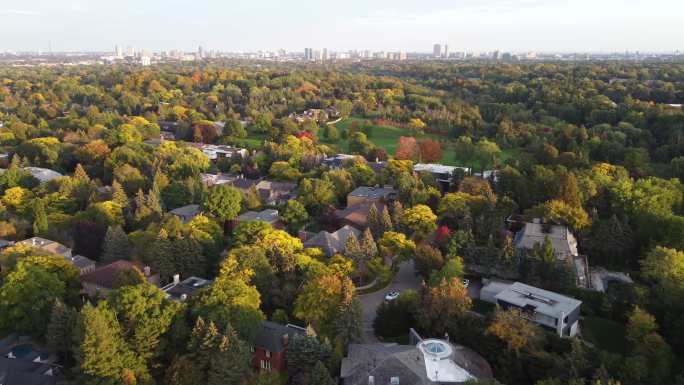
point(270, 346)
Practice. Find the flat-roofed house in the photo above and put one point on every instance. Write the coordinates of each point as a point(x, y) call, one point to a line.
point(550, 310)
point(269, 216)
point(182, 290)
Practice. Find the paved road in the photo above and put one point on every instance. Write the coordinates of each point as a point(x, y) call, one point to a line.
point(405, 279)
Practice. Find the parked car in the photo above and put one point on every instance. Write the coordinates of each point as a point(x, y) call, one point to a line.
point(391, 296)
point(465, 282)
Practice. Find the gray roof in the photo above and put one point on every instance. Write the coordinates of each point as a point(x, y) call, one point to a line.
point(268, 216)
point(43, 174)
point(186, 288)
point(332, 243)
point(407, 362)
point(81, 262)
point(188, 211)
point(544, 301)
point(22, 372)
point(270, 335)
point(373, 192)
point(564, 242)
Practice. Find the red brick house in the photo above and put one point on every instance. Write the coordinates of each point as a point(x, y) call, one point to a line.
point(270, 346)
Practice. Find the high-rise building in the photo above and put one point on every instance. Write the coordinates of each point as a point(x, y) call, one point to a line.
point(437, 50)
point(129, 51)
point(200, 51)
point(308, 54)
point(324, 54)
point(446, 51)
point(118, 51)
point(402, 55)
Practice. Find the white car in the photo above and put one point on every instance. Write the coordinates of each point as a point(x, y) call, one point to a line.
point(391, 296)
point(465, 282)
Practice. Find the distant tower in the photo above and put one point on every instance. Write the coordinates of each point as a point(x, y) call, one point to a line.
point(200, 51)
point(446, 51)
point(324, 55)
point(437, 50)
point(117, 50)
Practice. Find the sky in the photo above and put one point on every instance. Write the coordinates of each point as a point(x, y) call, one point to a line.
point(393, 25)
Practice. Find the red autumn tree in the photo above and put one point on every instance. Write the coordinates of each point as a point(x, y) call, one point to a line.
point(430, 151)
point(408, 148)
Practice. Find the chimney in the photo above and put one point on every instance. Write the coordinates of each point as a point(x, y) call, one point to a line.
point(176, 279)
point(147, 271)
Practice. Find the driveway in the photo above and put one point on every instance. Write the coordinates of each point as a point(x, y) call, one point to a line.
point(405, 279)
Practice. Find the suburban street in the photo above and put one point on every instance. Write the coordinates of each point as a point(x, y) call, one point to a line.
point(405, 279)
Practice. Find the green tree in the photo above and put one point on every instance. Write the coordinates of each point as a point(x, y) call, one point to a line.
point(116, 245)
point(60, 328)
point(294, 216)
point(320, 375)
point(223, 202)
point(101, 353)
point(27, 296)
point(420, 221)
point(447, 301)
point(40, 219)
point(316, 195)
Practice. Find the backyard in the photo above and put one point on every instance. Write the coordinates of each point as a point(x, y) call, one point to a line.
point(605, 334)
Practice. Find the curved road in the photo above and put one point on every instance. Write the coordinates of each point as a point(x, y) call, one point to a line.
point(405, 279)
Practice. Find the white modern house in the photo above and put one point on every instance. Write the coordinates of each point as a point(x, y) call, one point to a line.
point(550, 310)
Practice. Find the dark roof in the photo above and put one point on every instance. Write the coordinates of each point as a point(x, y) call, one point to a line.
point(332, 243)
point(106, 275)
point(21, 372)
point(244, 183)
point(358, 214)
point(183, 290)
point(270, 336)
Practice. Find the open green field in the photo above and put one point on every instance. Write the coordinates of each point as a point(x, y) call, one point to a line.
point(387, 138)
point(605, 334)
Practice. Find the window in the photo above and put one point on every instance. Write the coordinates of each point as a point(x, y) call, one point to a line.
point(251, 349)
point(265, 365)
point(394, 381)
point(268, 353)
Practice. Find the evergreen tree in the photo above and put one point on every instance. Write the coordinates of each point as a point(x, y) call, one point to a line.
point(304, 351)
point(81, 175)
point(347, 324)
point(162, 256)
point(320, 375)
point(375, 222)
point(119, 194)
point(116, 245)
point(101, 353)
point(154, 201)
point(352, 250)
point(368, 246)
point(60, 328)
point(386, 220)
point(40, 219)
point(397, 214)
point(229, 362)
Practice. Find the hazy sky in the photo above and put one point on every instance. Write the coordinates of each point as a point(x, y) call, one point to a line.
point(412, 25)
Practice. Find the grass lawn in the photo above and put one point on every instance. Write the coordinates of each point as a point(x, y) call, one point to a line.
point(605, 334)
point(387, 138)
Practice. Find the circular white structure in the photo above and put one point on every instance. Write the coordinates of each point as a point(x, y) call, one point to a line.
point(435, 348)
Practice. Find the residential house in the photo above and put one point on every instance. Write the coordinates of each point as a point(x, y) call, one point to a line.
point(23, 372)
point(103, 279)
point(550, 310)
point(270, 345)
point(442, 173)
point(276, 193)
point(269, 216)
point(357, 215)
point(371, 194)
point(243, 183)
point(211, 180)
point(47, 246)
point(220, 151)
point(564, 245)
point(43, 174)
point(83, 264)
point(339, 160)
point(329, 243)
point(187, 213)
point(422, 362)
point(182, 290)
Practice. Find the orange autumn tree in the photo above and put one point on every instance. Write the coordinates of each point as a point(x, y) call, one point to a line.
point(408, 148)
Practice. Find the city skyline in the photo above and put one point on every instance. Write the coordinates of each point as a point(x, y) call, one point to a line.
point(464, 25)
